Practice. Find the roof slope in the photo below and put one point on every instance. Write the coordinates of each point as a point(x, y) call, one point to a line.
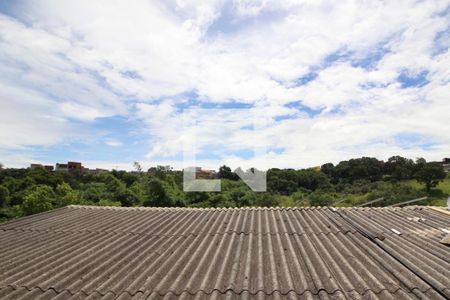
point(81, 252)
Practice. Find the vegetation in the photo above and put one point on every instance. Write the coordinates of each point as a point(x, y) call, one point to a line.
point(29, 191)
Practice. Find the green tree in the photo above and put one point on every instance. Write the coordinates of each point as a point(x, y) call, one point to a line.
point(327, 169)
point(399, 168)
point(10, 183)
point(312, 179)
point(112, 184)
point(196, 197)
point(267, 200)
point(394, 193)
point(320, 199)
point(226, 173)
point(38, 200)
point(430, 174)
point(94, 191)
point(160, 171)
point(127, 177)
point(282, 182)
point(65, 195)
point(4, 196)
point(105, 202)
point(242, 196)
point(42, 176)
point(221, 200)
point(281, 186)
point(359, 168)
point(157, 194)
point(137, 166)
point(127, 198)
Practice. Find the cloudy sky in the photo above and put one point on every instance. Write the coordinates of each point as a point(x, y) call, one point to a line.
point(111, 82)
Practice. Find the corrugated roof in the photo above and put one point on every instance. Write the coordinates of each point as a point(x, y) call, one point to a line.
point(85, 252)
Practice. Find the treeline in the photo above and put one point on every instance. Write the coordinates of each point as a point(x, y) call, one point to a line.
point(29, 191)
point(396, 168)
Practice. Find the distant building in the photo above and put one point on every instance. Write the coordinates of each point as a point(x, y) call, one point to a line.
point(61, 167)
point(36, 166)
point(74, 166)
point(205, 173)
point(40, 166)
point(71, 166)
point(49, 168)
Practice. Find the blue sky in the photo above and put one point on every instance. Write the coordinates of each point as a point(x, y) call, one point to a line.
point(111, 83)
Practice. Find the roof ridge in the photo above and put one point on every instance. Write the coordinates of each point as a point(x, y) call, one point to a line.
point(144, 208)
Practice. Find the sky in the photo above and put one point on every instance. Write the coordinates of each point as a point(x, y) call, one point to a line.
point(288, 84)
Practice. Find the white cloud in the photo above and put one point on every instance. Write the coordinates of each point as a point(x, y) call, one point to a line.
point(66, 64)
point(113, 142)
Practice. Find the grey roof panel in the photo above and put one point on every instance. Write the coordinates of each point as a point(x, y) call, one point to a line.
point(139, 253)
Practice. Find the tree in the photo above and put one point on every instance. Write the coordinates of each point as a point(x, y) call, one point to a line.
point(112, 184)
point(65, 195)
point(399, 168)
point(268, 200)
point(368, 168)
point(127, 177)
point(127, 198)
point(242, 196)
point(39, 200)
point(394, 193)
point(282, 182)
point(430, 174)
point(42, 176)
point(157, 194)
point(327, 169)
point(105, 202)
point(193, 198)
point(94, 191)
point(160, 171)
point(221, 200)
point(320, 199)
point(226, 173)
point(137, 167)
point(4, 196)
point(311, 179)
point(281, 186)
point(420, 163)
point(341, 172)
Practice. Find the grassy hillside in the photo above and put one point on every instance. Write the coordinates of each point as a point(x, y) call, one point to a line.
point(438, 195)
point(445, 185)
